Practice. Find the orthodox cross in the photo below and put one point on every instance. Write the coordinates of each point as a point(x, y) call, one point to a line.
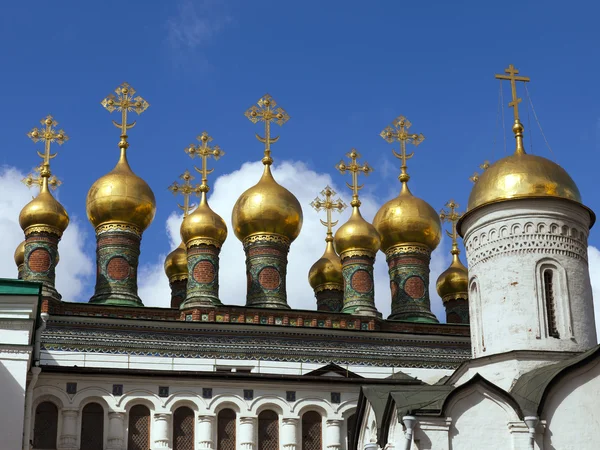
point(452, 216)
point(204, 151)
point(513, 78)
point(187, 190)
point(48, 135)
point(329, 205)
point(354, 168)
point(267, 111)
point(125, 102)
point(398, 131)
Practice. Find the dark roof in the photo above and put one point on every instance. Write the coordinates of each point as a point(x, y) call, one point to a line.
point(19, 287)
point(531, 389)
point(332, 367)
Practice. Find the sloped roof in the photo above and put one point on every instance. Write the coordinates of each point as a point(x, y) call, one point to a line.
point(333, 368)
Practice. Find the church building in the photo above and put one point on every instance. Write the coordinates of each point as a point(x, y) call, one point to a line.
point(514, 364)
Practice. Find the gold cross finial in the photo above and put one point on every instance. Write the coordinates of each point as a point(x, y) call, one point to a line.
point(354, 168)
point(398, 131)
point(267, 111)
point(518, 128)
point(329, 205)
point(125, 102)
point(204, 151)
point(48, 135)
point(452, 216)
point(187, 190)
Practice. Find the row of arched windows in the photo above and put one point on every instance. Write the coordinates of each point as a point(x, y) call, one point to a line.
point(92, 428)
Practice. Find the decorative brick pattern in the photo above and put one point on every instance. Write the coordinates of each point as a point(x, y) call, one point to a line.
point(409, 284)
point(118, 268)
point(457, 311)
point(203, 285)
point(359, 291)
point(41, 255)
point(204, 272)
point(331, 300)
point(40, 260)
point(178, 292)
point(266, 268)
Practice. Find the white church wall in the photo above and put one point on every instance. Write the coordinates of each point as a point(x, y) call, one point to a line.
point(572, 413)
point(507, 244)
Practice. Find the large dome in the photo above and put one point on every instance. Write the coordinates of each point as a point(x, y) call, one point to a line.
point(44, 211)
point(121, 196)
point(407, 219)
point(522, 176)
point(269, 208)
point(357, 234)
point(204, 225)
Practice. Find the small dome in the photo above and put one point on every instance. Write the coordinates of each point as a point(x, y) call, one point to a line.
point(407, 219)
point(176, 263)
point(327, 271)
point(522, 176)
point(20, 254)
point(44, 211)
point(357, 234)
point(267, 207)
point(121, 196)
point(205, 225)
point(454, 281)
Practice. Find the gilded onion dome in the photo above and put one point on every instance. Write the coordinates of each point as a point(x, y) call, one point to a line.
point(267, 208)
point(407, 219)
point(327, 271)
point(357, 235)
point(121, 196)
point(20, 254)
point(453, 282)
point(203, 226)
point(176, 263)
point(44, 212)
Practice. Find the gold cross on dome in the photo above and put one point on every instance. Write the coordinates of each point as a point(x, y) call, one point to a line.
point(267, 112)
point(204, 151)
point(452, 216)
point(354, 168)
point(48, 135)
point(125, 102)
point(187, 190)
point(513, 78)
point(398, 131)
point(32, 179)
point(329, 205)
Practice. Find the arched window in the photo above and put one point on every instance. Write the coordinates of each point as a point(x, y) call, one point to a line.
point(183, 429)
point(92, 427)
point(550, 300)
point(139, 428)
point(268, 430)
point(226, 430)
point(350, 428)
point(311, 431)
point(45, 426)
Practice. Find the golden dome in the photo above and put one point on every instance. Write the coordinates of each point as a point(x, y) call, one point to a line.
point(454, 281)
point(407, 219)
point(522, 176)
point(44, 211)
point(20, 254)
point(357, 234)
point(121, 196)
point(204, 225)
point(327, 271)
point(176, 263)
point(267, 207)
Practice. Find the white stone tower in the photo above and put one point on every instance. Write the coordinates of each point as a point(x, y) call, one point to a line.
point(525, 233)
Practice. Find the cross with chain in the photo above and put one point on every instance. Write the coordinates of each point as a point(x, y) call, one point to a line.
point(329, 205)
point(204, 151)
point(267, 111)
point(452, 216)
point(354, 168)
point(31, 179)
point(398, 131)
point(125, 102)
point(513, 78)
point(187, 190)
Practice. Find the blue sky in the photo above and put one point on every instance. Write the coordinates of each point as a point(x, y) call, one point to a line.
point(342, 70)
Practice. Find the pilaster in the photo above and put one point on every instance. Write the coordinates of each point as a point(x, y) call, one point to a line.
point(266, 270)
point(41, 258)
point(333, 434)
point(206, 425)
point(117, 255)
point(247, 433)
point(203, 276)
point(408, 267)
point(289, 433)
point(116, 430)
point(359, 287)
point(162, 426)
point(68, 435)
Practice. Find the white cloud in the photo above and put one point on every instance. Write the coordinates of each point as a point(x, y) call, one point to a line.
point(75, 267)
point(195, 24)
point(305, 184)
point(594, 267)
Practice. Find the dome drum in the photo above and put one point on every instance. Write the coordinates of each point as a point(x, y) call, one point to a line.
point(203, 277)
